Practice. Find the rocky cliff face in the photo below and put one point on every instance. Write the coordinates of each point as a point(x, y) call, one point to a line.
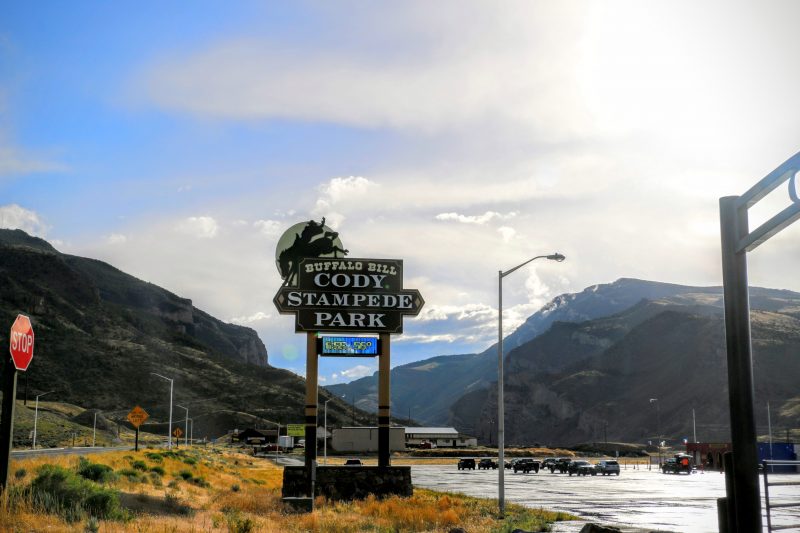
point(100, 333)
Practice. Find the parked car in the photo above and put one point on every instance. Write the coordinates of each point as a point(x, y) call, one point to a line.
point(581, 468)
point(561, 464)
point(352, 462)
point(549, 463)
point(680, 463)
point(466, 464)
point(526, 465)
point(486, 464)
point(607, 468)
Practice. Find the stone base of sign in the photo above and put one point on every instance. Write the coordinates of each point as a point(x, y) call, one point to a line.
point(349, 482)
point(300, 504)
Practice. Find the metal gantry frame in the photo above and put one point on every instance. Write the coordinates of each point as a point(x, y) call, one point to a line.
point(743, 500)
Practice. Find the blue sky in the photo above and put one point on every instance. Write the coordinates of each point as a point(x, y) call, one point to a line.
point(178, 142)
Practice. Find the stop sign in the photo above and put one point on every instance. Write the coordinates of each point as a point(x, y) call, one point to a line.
point(22, 342)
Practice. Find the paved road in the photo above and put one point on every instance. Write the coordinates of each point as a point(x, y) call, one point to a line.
point(19, 454)
point(637, 498)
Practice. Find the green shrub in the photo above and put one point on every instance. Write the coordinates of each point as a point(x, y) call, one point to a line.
point(130, 473)
point(156, 479)
point(190, 460)
point(61, 491)
point(235, 487)
point(158, 470)
point(200, 481)
point(139, 465)
point(20, 473)
point(237, 523)
point(173, 484)
point(155, 457)
point(95, 471)
point(185, 474)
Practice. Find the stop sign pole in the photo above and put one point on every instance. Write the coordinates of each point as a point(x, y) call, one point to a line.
point(21, 349)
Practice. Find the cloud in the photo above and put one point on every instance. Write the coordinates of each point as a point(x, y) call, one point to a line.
point(117, 238)
point(427, 339)
point(271, 228)
point(199, 227)
point(475, 219)
point(507, 232)
point(341, 194)
point(15, 161)
point(358, 371)
point(13, 216)
point(256, 317)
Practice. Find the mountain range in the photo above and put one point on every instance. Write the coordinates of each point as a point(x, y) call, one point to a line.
point(586, 366)
point(101, 334)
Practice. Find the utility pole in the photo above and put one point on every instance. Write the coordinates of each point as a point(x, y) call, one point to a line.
point(94, 429)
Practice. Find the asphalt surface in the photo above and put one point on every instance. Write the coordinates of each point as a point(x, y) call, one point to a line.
point(642, 500)
point(80, 450)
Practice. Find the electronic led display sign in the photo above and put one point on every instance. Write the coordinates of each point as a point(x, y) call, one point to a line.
point(348, 346)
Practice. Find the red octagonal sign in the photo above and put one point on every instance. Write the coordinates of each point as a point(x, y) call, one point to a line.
point(22, 342)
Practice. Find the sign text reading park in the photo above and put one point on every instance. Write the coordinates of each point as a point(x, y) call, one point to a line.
point(336, 294)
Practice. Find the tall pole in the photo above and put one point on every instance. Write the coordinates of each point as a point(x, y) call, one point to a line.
point(325, 436)
point(384, 401)
point(501, 498)
point(746, 492)
point(185, 425)
point(312, 361)
point(169, 429)
point(94, 429)
point(501, 464)
point(694, 427)
point(769, 430)
point(36, 416)
point(9, 385)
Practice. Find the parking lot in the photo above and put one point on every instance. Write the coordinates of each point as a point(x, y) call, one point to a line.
point(639, 498)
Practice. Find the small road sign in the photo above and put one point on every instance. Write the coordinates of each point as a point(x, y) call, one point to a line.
point(296, 430)
point(178, 432)
point(137, 416)
point(21, 345)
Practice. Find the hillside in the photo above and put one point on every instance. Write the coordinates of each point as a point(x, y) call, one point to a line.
point(594, 380)
point(429, 388)
point(100, 333)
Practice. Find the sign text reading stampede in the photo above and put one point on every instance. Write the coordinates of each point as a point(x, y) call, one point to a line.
point(349, 295)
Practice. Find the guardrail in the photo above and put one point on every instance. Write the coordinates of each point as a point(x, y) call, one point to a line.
point(768, 466)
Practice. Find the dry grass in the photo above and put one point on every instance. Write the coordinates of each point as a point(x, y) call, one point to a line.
point(240, 493)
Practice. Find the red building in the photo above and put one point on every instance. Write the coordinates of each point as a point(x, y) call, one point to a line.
point(708, 454)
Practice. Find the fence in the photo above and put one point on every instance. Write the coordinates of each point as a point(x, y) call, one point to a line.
point(784, 503)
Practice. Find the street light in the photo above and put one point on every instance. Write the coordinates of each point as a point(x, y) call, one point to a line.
point(658, 427)
point(36, 416)
point(325, 434)
point(94, 429)
point(500, 407)
point(169, 429)
point(186, 425)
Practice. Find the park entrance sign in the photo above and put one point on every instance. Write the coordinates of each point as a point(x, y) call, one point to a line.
point(354, 295)
point(360, 303)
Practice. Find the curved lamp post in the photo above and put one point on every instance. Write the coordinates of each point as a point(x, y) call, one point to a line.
point(36, 417)
point(501, 465)
point(169, 429)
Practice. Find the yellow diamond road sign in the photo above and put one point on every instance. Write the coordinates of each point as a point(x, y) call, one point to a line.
point(177, 432)
point(137, 416)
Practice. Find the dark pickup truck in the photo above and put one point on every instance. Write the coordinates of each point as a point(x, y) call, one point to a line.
point(561, 464)
point(681, 463)
point(526, 465)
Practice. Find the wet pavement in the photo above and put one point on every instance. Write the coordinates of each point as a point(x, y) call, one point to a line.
point(644, 500)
